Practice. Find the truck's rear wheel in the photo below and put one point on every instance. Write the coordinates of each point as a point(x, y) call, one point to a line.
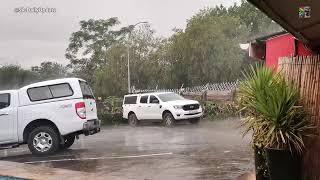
point(43, 140)
point(168, 120)
point(68, 142)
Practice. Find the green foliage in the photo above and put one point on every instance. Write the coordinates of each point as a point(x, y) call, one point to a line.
point(214, 110)
point(256, 21)
point(207, 50)
point(51, 70)
point(145, 65)
point(146, 58)
point(272, 108)
point(111, 111)
point(113, 104)
point(88, 46)
point(14, 77)
point(111, 119)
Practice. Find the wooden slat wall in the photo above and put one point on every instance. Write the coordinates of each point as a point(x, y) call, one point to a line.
point(305, 71)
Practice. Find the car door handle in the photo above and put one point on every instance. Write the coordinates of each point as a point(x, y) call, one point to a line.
point(149, 106)
point(4, 114)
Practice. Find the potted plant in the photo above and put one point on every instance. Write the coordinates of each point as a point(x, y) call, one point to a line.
point(277, 122)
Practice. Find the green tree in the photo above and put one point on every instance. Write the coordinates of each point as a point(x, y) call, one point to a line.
point(88, 46)
point(51, 70)
point(145, 60)
point(257, 22)
point(111, 79)
point(14, 77)
point(208, 50)
point(145, 65)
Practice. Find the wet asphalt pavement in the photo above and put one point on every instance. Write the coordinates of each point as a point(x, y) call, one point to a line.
point(210, 150)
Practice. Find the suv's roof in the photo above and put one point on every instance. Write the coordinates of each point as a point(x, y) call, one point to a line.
point(150, 93)
point(49, 82)
point(8, 91)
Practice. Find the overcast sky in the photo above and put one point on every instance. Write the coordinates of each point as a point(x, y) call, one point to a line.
point(30, 38)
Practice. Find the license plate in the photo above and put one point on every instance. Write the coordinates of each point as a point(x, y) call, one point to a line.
point(194, 111)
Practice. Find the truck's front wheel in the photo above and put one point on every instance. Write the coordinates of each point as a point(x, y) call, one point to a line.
point(43, 140)
point(168, 120)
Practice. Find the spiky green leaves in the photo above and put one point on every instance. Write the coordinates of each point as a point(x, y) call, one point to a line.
point(272, 110)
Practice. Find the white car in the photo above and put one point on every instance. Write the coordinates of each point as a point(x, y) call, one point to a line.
point(161, 106)
point(48, 115)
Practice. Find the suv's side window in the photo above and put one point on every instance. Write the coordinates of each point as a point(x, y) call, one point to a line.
point(130, 100)
point(144, 99)
point(4, 100)
point(153, 100)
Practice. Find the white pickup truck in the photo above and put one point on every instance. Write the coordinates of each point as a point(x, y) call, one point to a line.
point(167, 107)
point(48, 115)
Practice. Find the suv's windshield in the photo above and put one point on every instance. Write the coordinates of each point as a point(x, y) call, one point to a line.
point(86, 90)
point(170, 97)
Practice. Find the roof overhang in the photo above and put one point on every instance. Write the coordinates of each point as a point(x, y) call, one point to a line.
point(286, 13)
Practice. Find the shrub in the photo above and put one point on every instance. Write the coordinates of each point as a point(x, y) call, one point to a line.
point(214, 110)
point(111, 111)
point(273, 112)
point(113, 105)
point(111, 119)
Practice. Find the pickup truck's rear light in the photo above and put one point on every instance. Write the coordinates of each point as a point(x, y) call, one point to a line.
point(81, 110)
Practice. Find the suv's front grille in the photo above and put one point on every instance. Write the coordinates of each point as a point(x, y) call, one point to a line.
point(190, 107)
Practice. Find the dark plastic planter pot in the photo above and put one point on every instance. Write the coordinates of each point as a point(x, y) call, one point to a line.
point(260, 163)
point(283, 165)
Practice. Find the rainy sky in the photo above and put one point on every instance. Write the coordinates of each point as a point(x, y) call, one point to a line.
point(32, 31)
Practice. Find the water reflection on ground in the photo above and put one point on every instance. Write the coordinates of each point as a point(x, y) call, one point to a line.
point(211, 150)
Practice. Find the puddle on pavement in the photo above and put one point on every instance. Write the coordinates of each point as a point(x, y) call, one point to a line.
point(10, 178)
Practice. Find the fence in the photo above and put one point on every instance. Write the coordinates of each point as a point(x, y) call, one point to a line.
point(224, 86)
point(217, 91)
point(305, 71)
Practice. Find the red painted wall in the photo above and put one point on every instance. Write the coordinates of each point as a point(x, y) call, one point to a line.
point(303, 50)
point(283, 45)
point(278, 46)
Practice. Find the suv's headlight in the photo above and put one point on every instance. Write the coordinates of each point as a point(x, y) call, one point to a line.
point(178, 106)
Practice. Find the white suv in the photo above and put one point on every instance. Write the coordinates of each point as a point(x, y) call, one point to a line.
point(161, 106)
point(47, 115)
